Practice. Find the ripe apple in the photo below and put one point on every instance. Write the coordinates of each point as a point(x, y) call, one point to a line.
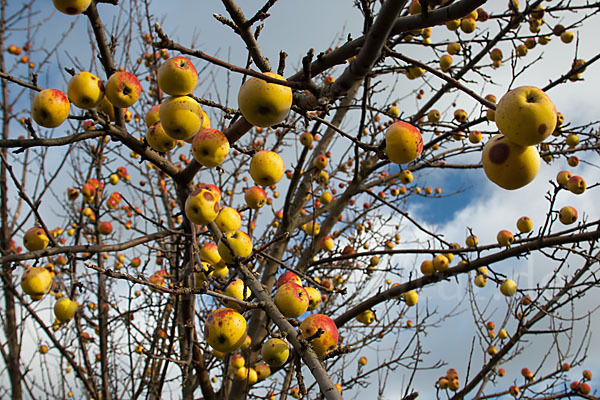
point(445, 62)
point(434, 116)
point(264, 104)
point(238, 290)
point(441, 262)
point(474, 137)
point(105, 228)
point(263, 371)
point(411, 298)
point(563, 178)
point(85, 90)
point(107, 108)
point(255, 197)
point(225, 330)
point(35, 239)
point(496, 54)
point(210, 147)
point(71, 7)
point(291, 299)
point(314, 298)
point(567, 215)
point(306, 139)
point(181, 117)
point(526, 115)
point(36, 281)
point(366, 317)
point(201, 207)
point(237, 361)
point(209, 252)
point(460, 115)
point(505, 238)
point(502, 334)
point(509, 165)
point(328, 340)
point(240, 243)
point(576, 184)
point(266, 168)
point(123, 89)
point(275, 352)
point(228, 219)
point(471, 241)
point(468, 25)
point(406, 177)
point(158, 139)
point(50, 108)
point(288, 277)
point(480, 280)
point(427, 267)
point(177, 76)
point(152, 115)
point(403, 143)
point(64, 309)
point(524, 224)
point(43, 349)
point(508, 288)
point(587, 374)
point(362, 361)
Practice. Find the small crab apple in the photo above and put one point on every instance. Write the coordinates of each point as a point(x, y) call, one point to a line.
point(474, 137)
point(314, 298)
point(403, 143)
point(434, 116)
point(563, 178)
point(123, 89)
point(411, 298)
point(240, 243)
point(440, 262)
point(151, 115)
point(524, 224)
point(85, 90)
point(567, 215)
point(508, 288)
point(35, 239)
point(366, 317)
point(326, 243)
point(105, 228)
point(262, 103)
point(576, 184)
point(306, 139)
point(210, 147)
point(445, 62)
point(64, 309)
point(460, 115)
point(225, 330)
point(275, 352)
point(505, 238)
point(327, 340)
point(177, 76)
point(255, 197)
point(238, 290)
point(50, 108)
point(291, 299)
point(263, 371)
point(266, 168)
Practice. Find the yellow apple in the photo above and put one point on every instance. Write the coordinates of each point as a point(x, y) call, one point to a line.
point(314, 298)
point(123, 89)
point(181, 117)
point(441, 262)
point(50, 108)
point(152, 115)
point(177, 76)
point(328, 340)
point(71, 7)
point(237, 361)
point(85, 90)
point(291, 299)
point(210, 147)
point(158, 139)
point(445, 62)
point(225, 330)
point(255, 197)
point(508, 288)
point(509, 165)
point(524, 224)
point(201, 207)
point(505, 238)
point(238, 290)
point(266, 168)
point(275, 352)
point(366, 317)
point(64, 309)
point(434, 116)
point(263, 371)
point(403, 143)
point(526, 115)
point(35, 239)
point(228, 219)
point(209, 252)
point(411, 298)
point(264, 104)
point(107, 108)
point(36, 281)
point(567, 215)
point(240, 243)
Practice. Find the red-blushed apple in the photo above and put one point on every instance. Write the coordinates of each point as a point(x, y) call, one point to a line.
point(362, 361)
point(508, 288)
point(524, 224)
point(288, 276)
point(406, 176)
point(247, 343)
point(64, 309)
point(35, 239)
point(181, 117)
point(314, 298)
point(403, 143)
point(474, 137)
point(36, 282)
point(228, 219)
point(209, 252)
point(275, 352)
point(321, 162)
point(152, 115)
point(201, 207)
point(366, 317)
point(214, 189)
point(526, 115)
point(306, 139)
point(514, 390)
point(263, 371)
point(85, 90)
point(237, 361)
point(210, 147)
point(505, 238)
point(291, 299)
point(238, 290)
point(327, 340)
point(50, 108)
point(567, 215)
point(562, 178)
point(266, 168)
point(240, 243)
point(264, 104)
point(177, 76)
point(445, 62)
point(326, 243)
point(311, 228)
point(156, 279)
point(71, 7)
point(105, 228)
point(123, 89)
point(576, 184)
point(255, 197)
point(158, 139)
point(509, 165)
point(225, 330)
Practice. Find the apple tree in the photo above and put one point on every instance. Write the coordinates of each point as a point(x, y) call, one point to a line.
point(195, 203)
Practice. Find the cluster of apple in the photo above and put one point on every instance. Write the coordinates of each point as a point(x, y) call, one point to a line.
point(449, 381)
point(582, 386)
